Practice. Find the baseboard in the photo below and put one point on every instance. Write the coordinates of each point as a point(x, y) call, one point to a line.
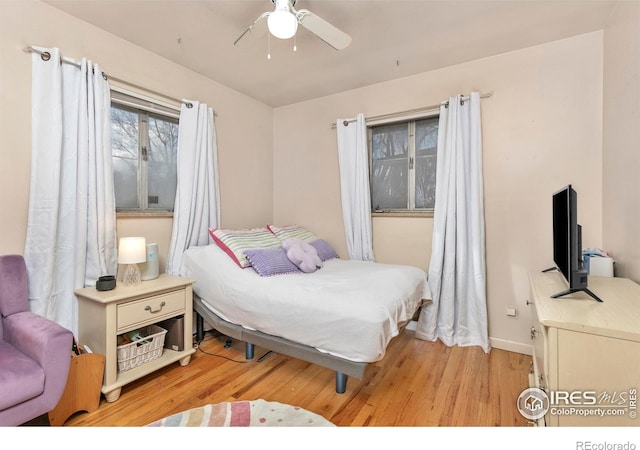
point(511, 346)
point(501, 344)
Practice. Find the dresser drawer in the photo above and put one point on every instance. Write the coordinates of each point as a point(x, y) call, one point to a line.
point(146, 311)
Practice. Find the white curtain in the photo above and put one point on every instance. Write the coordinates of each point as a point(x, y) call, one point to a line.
point(71, 236)
point(457, 274)
point(197, 206)
point(354, 187)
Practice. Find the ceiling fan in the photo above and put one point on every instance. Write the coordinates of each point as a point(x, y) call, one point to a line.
point(283, 22)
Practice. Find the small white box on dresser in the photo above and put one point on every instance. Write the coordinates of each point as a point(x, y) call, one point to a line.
point(600, 266)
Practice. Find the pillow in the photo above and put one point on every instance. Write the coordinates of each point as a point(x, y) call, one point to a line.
point(325, 251)
point(302, 255)
point(293, 232)
point(270, 261)
point(236, 242)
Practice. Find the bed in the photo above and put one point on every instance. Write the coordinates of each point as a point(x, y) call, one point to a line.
point(341, 317)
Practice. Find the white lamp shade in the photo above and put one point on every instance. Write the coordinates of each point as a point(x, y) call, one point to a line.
point(132, 250)
point(282, 24)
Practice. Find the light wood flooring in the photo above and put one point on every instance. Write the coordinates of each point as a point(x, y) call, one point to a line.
point(418, 383)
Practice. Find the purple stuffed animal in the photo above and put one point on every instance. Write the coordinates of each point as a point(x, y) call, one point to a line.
point(303, 255)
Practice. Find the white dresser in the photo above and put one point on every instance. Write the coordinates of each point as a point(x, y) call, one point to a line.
point(586, 354)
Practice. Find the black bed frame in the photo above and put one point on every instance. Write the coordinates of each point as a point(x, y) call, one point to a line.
point(343, 367)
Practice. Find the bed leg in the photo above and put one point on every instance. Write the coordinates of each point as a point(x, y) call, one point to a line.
point(199, 328)
point(248, 350)
point(341, 382)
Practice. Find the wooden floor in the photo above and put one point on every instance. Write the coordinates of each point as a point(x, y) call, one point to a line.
point(418, 383)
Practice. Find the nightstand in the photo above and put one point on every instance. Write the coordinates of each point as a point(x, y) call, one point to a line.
point(103, 315)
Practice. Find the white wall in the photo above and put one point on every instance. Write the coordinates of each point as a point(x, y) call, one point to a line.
point(542, 129)
point(621, 183)
point(245, 158)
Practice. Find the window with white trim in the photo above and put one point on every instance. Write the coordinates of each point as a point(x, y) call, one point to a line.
point(403, 165)
point(144, 146)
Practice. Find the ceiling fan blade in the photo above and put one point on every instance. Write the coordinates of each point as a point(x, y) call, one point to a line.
point(323, 29)
point(257, 28)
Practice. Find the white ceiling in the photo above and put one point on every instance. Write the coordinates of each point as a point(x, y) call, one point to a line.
point(391, 38)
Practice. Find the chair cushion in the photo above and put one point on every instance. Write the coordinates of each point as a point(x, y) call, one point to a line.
point(21, 378)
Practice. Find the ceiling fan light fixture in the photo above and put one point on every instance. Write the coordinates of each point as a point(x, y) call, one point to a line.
point(282, 24)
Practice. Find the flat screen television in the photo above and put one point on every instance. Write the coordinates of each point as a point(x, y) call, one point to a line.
point(567, 242)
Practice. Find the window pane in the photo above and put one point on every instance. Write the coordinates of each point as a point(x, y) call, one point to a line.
point(125, 173)
point(426, 144)
point(163, 150)
point(389, 178)
point(124, 150)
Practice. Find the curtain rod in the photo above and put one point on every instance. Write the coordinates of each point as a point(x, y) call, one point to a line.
point(46, 55)
point(410, 112)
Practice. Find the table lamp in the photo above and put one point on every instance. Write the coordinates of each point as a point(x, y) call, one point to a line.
point(131, 251)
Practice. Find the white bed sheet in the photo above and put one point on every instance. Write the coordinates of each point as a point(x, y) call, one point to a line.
point(350, 309)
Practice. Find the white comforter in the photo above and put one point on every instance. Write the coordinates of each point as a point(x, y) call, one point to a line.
point(350, 309)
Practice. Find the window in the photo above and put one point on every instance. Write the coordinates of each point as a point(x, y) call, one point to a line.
point(144, 142)
point(403, 165)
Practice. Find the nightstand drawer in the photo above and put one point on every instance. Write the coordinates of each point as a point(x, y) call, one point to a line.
point(149, 310)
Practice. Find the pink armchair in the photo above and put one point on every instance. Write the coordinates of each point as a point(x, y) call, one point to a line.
point(35, 353)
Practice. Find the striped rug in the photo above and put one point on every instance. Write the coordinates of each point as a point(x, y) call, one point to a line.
point(256, 413)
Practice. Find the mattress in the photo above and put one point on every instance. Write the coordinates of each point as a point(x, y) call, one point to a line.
point(349, 309)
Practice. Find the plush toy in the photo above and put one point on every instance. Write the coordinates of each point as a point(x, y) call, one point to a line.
point(303, 255)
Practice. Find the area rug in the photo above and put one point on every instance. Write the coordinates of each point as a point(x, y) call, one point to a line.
point(256, 413)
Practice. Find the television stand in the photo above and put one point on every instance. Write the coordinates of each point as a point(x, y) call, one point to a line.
point(571, 291)
point(550, 269)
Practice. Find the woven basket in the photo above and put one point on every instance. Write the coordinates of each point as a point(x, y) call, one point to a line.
point(147, 349)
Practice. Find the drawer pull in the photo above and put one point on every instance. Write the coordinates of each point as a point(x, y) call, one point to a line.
point(148, 308)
